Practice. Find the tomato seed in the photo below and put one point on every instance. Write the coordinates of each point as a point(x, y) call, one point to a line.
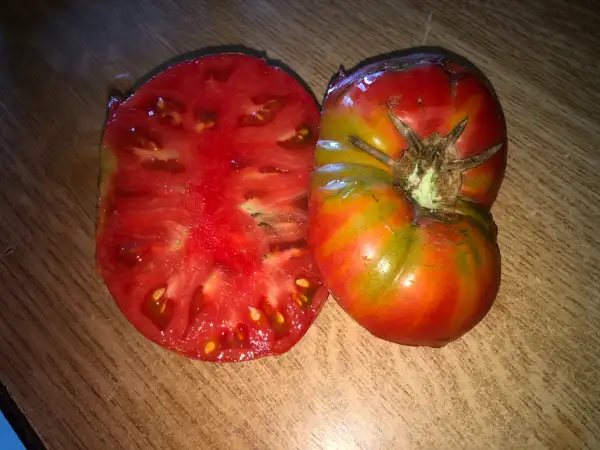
point(302, 138)
point(254, 314)
point(158, 309)
point(279, 318)
point(303, 282)
point(209, 347)
point(297, 300)
point(300, 299)
point(158, 294)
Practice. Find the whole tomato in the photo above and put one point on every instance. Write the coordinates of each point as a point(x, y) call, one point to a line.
point(411, 155)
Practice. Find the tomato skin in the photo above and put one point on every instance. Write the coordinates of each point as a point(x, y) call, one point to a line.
point(412, 268)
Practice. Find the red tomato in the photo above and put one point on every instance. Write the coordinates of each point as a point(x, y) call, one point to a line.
point(410, 158)
point(203, 212)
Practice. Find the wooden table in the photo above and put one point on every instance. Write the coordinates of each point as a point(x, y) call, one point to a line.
point(525, 378)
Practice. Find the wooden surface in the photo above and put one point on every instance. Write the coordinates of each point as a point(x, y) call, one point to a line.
point(525, 378)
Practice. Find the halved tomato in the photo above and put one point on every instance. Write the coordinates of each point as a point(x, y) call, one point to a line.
point(203, 209)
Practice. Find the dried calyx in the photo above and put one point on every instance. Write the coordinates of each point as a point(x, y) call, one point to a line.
point(430, 170)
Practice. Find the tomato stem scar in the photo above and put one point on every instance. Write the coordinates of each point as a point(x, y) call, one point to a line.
point(430, 170)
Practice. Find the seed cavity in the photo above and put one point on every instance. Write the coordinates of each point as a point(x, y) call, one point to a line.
point(130, 255)
point(268, 228)
point(139, 140)
point(269, 107)
point(167, 112)
point(252, 206)
point(198, 302)
point(205, 120)
point(158, 308)
point(301, 202)
point(304, 292)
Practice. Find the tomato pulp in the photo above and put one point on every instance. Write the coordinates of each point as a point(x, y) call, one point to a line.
point(203, 208)
point(410, 158)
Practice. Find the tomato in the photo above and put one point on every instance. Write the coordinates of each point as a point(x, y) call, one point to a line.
point(411, 155)
point(203, 208)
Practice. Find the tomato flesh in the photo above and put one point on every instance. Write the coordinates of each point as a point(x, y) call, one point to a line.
point(410, 158)
point(203, 212)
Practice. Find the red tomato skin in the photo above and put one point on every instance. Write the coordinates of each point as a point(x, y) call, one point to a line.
point(403, 274)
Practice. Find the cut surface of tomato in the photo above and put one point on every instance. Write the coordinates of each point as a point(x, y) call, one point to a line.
point(203, 208)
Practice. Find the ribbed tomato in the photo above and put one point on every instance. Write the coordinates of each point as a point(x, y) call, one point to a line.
point(411, 154)
point(202, 227)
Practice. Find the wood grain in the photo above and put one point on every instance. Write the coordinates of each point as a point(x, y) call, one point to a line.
point(525, 378)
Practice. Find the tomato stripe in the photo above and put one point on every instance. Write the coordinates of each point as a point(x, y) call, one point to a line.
point(344, 234)
point(396, 255)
